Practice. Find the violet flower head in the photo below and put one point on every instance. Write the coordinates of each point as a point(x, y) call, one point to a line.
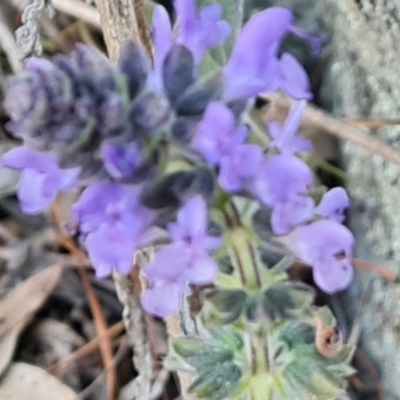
point(185, 260)
point(327, 247)
point(217, 133)
point(333, 204)
point(111, 222)
point(41, 178)
point(284, 137)
point(282, 185)
point(221, 143)
point(200, 31)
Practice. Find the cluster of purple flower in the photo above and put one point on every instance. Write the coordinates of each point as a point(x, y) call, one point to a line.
point(86, 124)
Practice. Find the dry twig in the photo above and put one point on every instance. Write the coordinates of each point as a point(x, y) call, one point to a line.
point(79, 10)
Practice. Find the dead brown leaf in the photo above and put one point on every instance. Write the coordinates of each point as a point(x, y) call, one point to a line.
point(25, 381)
point(18, 307)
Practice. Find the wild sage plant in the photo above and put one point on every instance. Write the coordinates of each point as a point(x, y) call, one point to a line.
point(159, 152)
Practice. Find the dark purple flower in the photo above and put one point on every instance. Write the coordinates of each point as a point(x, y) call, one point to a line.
point(112, 223)
point(120, 159)
point(200, 31)
point(327, 247)
point(41, 178)
point(284, 137)
point(282, 184)
point(333, 204)
point(185, 260)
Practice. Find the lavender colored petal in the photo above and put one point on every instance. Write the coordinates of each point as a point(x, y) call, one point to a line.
point(240, 166)
point(110, 246)
point(31, 192)
point(276, 132)
point(293, 78)
point(162, 299)
point(169, 263)
point(203, 31)
point(327, 246)
point(104, 201)
point(333, 204)
point(280, 178)
point(120, 160)
point(201, 270)
point(252, 66)
point(291, 213)
point(24, 157)
point(191, 222)
point(214, 132)
point(333, 276)
point(294, 118)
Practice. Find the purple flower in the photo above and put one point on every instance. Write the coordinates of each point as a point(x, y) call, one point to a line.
point(239, 166)
point(41, 178)
point(292, 78)
point(217, 133)
point(162, 298)
point(120, 159)
point(200, 31)
point(284, 137)
point(112, 223)
point(220, 142)
point(162, 39)
point(185, 260)
point(333, 204)
point(327, 247)
point(282, 184)
point(253, 64)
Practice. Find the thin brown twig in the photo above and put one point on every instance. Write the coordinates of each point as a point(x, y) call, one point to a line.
point(101, 328)
point(376, 269)
point(338, 128)
point(86, 349)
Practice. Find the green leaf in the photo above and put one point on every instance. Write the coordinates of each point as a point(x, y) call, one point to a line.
point(287, 300)
point(234, 14)
point(217, 382)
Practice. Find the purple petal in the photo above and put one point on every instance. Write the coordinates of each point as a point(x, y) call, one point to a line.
point(333, 204)
point(191, 222)
point(280, 178)
point(201, 270)
point(232, 174)
point(111, 246)
point(32, 194)
point(169, 263)
point(252, 66)
point(290, 213)
point(104, 202)
point(24, 157)
point(293, 79)
point(202, 32)
point(120, 160)
point(334, 275)
point(284, 137)
point(326, 246)
point(162, 299)
point(217, 134)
